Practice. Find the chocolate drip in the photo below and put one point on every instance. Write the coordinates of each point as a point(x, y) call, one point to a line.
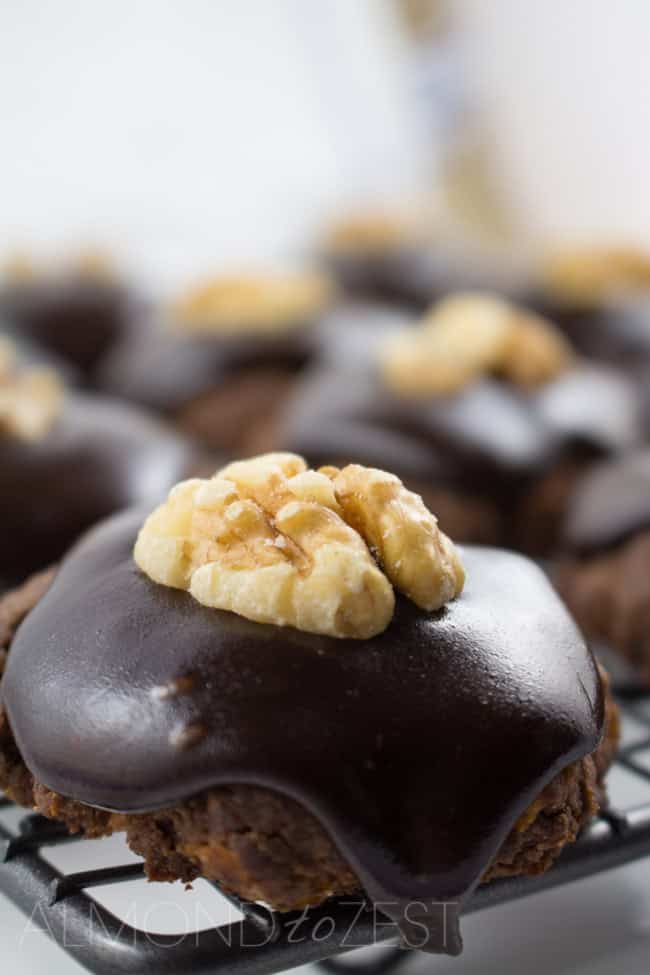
point(417, 749)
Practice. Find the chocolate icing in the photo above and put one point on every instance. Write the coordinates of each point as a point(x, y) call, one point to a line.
point(415, 275)
point(615, 329)
point(28, 353)
point(165, 368)
point(78, 319)
point(489, 437)
point(596, 406)
point(610, 504)
point(417, 749)
point(99, 456)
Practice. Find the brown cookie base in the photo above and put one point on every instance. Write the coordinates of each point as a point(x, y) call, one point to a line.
point(228, 418)
point(539, 519)
point(264, 846)
point(531, 522)
point(461, 516)
point(609, 595)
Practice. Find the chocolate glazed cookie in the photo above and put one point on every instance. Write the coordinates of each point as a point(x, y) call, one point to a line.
point(99, 456)
point(392, 258)
point(452, 748)
point(77, 318)
point(602, 573)
point(493, 440)
point(223, 357)
point(216, 389)
point(600, 296)
point(497, 465)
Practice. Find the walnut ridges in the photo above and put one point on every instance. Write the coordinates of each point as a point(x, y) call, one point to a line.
point(318, 550)
point(468, 336)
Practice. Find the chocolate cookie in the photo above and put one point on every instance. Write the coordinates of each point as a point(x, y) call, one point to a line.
point(70, 459)
point(221, 360)
point(289, 765)
point(497, 460)
point(603, 571)
point(601, 298)
point(77, 317)
point(391, 258)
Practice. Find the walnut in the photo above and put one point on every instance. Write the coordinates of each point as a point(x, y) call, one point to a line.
point(253, 303)
point(583, 277)
point(468, 336)
point(277, 543)
point(461, 338)
point(92, 264)
point(31, 399)
point(371, 232)
point(402, 533)
point(18, 268)
point(7, 359)
point(535, 353)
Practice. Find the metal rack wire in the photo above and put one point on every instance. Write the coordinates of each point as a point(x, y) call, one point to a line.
point(264, 942)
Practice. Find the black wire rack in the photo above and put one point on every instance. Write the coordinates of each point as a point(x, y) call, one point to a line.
point(263, 942)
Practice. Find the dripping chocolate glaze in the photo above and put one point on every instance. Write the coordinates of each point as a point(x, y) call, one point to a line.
point(610, 504)
point(99, 456)
point(417, 749)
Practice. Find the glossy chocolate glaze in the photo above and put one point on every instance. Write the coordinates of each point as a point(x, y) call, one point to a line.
point(29, 353)
point(99, 456)
point(615, 330)
point(594, 406)
point(610, 504)
point(490, 437)
point(165, 368)
point(77, 319)
point(416, 275)
point(417, 749)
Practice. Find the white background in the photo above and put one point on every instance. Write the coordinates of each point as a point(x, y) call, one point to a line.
point(565, 87)
point(192, 132)
point(200, 131)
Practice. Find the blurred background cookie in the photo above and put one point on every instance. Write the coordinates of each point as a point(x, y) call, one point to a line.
point(69, 458)
point(77, 309)
point(221, 359)
point(483, 407)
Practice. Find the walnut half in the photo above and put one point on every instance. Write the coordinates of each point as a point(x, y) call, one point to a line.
point(372, 232)
point(31, 399)
point(277, 543)
point(253, 303)
point(466, 336)
point(582, 277)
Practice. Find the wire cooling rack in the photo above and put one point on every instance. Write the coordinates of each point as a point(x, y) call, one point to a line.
point(263, 941)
